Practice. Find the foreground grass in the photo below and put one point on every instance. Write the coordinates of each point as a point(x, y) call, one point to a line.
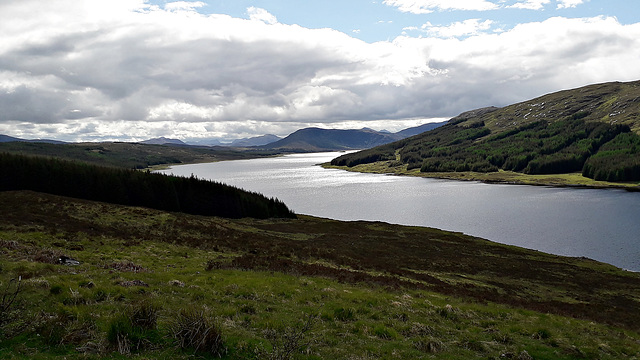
point(503, 177)
point(304, 289)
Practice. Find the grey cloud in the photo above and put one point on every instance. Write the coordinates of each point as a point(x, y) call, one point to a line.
point(232, 75)
point(33, 105)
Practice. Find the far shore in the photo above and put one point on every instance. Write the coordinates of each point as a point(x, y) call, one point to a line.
point(501, 177)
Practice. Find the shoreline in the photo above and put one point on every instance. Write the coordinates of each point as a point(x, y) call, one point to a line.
point(571, 180)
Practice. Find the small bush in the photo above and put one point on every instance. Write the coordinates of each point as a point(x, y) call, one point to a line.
point(196, 330)
point(134, 330)
point(145, 315)
point(542, 334)
point(343, 314)
point(288, 341)
point(384, 332)
point(428, 345)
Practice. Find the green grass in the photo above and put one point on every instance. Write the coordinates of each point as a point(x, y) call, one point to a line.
point(342, 291)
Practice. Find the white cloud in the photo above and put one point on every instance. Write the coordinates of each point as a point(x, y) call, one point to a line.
point(183, 5)
point(531, 4)
point(139, 71)
point(458, 29)
point(258, 14)
point(429, 6)
point(567, 4)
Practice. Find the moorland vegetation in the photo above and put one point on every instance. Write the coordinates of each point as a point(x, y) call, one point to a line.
point(92, 280)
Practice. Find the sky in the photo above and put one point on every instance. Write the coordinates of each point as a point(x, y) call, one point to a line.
point(130, 70)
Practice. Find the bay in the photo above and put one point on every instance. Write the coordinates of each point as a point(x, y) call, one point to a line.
point(598, 224)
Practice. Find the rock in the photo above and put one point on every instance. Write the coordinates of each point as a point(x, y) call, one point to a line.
point(177, 283)
point(65, 260)
point(134, 283)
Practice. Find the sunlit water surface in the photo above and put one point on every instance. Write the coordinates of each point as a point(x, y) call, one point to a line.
point(599, 224)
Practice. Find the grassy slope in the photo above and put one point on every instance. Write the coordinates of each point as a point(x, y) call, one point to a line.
point(379, 290)
point(612, 103)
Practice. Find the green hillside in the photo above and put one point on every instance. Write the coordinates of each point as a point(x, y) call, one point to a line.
point(148, 284)
point(591, 130)
point(130, 155)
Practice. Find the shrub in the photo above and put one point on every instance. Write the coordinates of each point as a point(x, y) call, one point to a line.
point(287, 341)
point(384, 332)
point(343, 314)
point(135, 329)
point(429, 345)
point(145, 315)
point(196, 330)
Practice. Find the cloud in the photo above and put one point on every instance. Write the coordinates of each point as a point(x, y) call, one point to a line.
point(566, 4)
point(138, 71)
point(429, 6)
point(458, 29)
point(183, 5)
point(531, 4)
point(263, 15)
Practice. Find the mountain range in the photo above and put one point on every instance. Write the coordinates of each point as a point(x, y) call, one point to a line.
point(308, 139)
point(316, 139)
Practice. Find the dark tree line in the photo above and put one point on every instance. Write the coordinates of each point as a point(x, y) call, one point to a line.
point(617, 160)
point(137, 188)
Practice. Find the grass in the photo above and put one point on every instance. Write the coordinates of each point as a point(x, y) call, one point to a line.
point(261, 290)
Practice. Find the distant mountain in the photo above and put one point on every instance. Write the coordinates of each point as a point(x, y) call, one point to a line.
point(256, 141)
point(205, 142)
point(6, 138)
point(163, 141)
point(315, 139)
point(403, 134)
point(594, 130)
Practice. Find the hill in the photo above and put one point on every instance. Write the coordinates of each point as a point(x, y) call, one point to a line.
point(592, 130)
point(163, 141)
point(403, 134)
point(130, 155)
point(6, 138)
point(315, 139)
point(108, 281)
point(255, 141)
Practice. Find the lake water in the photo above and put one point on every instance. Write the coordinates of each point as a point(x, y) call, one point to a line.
point(599, 224)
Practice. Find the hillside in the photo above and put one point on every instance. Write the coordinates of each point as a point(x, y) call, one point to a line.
point(130, 155)
point(107, 281)
point(591, 130)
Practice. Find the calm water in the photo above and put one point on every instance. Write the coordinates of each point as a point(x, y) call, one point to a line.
point(599, 224)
